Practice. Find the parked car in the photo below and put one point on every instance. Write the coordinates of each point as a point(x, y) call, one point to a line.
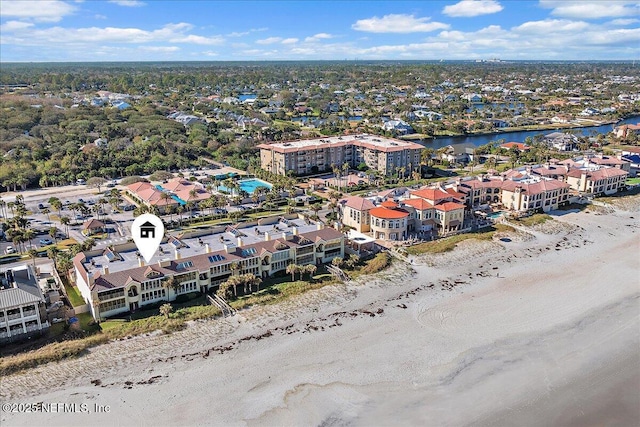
point(45, 242)
point(10, 250)
point(41, 206)
point(128, 207)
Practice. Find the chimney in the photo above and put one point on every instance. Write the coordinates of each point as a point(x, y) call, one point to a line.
point(105, 269)
point(90, 278)
point(284, 235)
point(177, 252)
point(319, 226)
point(239, 241)
point(227, 248)
point(267, 237)
point(207, 248)
point(294, 230)
point(140, 262)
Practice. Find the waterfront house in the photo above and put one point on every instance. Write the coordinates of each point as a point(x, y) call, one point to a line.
point(22, 305)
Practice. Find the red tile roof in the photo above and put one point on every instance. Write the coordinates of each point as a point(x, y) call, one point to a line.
point(384, 213)
point(449, 206)
point(420, 204)
point(358, 203)
point(431, 194)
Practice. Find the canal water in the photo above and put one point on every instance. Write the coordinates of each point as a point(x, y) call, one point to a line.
point(519, 136)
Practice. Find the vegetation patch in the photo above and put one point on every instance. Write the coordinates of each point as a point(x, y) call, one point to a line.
point(535, 219)
point(378, 263)
point(449, 243)
point(74, 296)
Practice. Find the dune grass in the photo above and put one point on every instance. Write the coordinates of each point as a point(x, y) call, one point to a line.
point(535, 219)
point(449, 243)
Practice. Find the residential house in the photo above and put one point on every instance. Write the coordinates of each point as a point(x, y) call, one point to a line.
point(22, 305)
point(131, 287)
point(515, 145)
point(354, 212)
point(561, 141)
point(530, 192)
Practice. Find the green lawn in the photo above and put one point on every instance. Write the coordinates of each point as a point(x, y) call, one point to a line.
point(633, 181)
point(75, 298)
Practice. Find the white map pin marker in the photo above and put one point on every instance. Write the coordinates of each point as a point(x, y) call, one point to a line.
point(147, 231)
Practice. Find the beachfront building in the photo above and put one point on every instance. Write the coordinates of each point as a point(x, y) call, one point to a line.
point(114, 281)
point(425, 212)
point(355, 213)
point(22, 305)
point(527, 192)
point(389, 221)
point(597, 180)
point(387, 156)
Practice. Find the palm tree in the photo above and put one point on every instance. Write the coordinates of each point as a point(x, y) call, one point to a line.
point(56, 204)
point(310, 269)
point(234, 267)
point(316, 207)
point(292, 269)
point(337, 261)
point(33, 254)
point(3, 206)
point(170, 283)
point(165, 197)
point(180, 210)
point(28, 235)
point(64, 220)
point(166, 309)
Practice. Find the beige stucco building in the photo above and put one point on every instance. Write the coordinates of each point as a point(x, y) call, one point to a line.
point(386, 155)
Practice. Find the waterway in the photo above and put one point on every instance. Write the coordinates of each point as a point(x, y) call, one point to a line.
point(518, 136)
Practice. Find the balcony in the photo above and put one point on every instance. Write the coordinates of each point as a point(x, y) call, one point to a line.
point(13, 316)
point(29, 313)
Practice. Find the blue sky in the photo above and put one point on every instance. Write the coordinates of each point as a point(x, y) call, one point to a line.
point(152, 30)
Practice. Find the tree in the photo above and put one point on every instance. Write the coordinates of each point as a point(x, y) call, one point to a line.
point(293, 269)
point(310, 269)
point(96, 182)
point(33, 254)
point(166, 309)
point(337, 261)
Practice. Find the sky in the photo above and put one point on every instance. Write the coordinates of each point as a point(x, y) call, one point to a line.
point(164, 30)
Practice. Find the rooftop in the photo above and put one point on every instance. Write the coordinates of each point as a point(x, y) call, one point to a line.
point(188, 247)
point(365, 140)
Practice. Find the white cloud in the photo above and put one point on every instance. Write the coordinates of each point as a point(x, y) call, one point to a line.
point(98, 16)
point(11, 26)
point(290, 40)
point(398, 23)
point(318, 37)
point(164, 49)
point(269, 40)
point(623, 22)
point(469, 8)
point(41, 11)
point(128, 3)
point(244, 33)
point(594, 9)
point(548, 26)
point(170, 33)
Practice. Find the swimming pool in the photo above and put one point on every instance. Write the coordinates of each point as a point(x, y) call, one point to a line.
point(173, 196)
point(249, 185)
point(495, 215)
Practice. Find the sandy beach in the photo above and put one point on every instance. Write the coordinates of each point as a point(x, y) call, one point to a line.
point(542, 329)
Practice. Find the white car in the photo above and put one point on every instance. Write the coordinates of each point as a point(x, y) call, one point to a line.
point(10, 250)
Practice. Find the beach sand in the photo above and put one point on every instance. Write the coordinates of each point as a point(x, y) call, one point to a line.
point(543, 329)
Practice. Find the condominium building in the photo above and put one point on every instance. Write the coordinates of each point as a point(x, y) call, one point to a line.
point(22, 305)
point(387, 156)
point(115, 281)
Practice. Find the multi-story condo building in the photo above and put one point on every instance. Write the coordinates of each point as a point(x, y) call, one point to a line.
point(114, 282)
point(387, 156)
point(22, 305)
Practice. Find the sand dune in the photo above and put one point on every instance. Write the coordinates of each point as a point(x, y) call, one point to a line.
point(541, 330)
